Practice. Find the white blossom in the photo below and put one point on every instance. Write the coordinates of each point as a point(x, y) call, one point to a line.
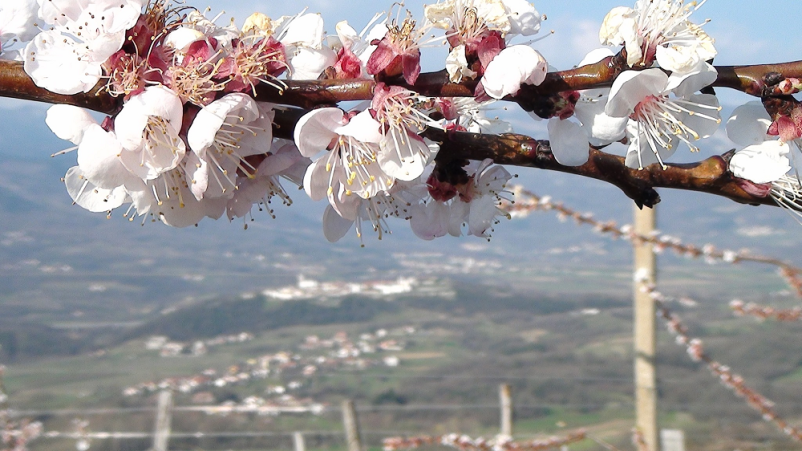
point(67, 58)
point(658, 121)
point(512, 67)
point(659, 29)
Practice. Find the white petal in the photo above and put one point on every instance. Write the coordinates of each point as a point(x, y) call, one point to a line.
point(677, 59)
point(315, 130)
point(18, 19)
point(569, 143)
point(748, 124)
point(197, 171)
point(306, 30)
point(600, 128)
point(308, 63)
point(685, 84)
point(483, 211)
point(362, 127)
point(524, 18)
point(510, 68)
point(631, 87)
point(761, 163)
point(156, 101)
point(491, 178)
point(68, 122)
point(316, 180)
point(260, 140)
point(181, 38)
point(280, 160)
point(334, 225)
point(641, 153)
point(430, 221)
point(160, 154)
point(457, 65)
point(458, 212)
point(610, 31)
point(348, 36)
point(411, 162)
point(90, 197)
point(99, 158)
point(702, 105)
point(207, 122)
point(58, 63)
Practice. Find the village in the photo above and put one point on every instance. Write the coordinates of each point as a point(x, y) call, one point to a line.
point(293, 367)
point(307, 288)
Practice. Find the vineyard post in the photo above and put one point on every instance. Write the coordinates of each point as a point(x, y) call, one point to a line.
point(351, 426)
point(161, 433)
point(505, 399)
point(645, 332)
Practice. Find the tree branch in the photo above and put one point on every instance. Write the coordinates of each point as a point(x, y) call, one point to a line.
point(309, 93)
point(708, 176)
point(15, 83)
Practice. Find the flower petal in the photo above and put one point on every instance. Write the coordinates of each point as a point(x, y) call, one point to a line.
point(761, 163)
point(510, 68)
point(748, 124)
point(631, 87)
point(87, 195)
point(315, 130)
point(335, 226)
point(569, 143)
point(69, 122)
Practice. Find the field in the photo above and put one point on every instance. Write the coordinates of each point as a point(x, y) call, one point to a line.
point(567, 357)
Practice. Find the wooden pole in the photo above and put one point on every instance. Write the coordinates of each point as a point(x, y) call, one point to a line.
point(672, 439)
point(645, 335)
point(351, 425)
point(3, 394)
point(298, 441)
point(505, 399)
point(161, 432)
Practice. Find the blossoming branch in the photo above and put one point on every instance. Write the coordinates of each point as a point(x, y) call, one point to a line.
point(209, 119)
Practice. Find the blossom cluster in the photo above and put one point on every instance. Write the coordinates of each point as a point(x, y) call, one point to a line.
point(192, 139)
point(189, 141)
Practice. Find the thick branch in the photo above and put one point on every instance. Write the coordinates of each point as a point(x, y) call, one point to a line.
point(15, 83)
point(751, 79)
point(309, 93)
point(709, 176)
point(748, 79)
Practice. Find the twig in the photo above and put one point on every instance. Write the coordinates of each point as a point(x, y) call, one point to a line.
point(527, 201)
point(765, 312)
point(732, 381)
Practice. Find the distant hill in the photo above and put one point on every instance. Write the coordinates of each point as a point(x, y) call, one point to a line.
point(229, 316)
point(25, 341)
point(225, 316)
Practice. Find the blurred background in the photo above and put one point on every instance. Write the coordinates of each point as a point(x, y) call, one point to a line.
point(544, 305)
